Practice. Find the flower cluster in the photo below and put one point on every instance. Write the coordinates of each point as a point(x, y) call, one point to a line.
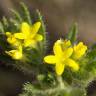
point(66, 55)
point(27, 37)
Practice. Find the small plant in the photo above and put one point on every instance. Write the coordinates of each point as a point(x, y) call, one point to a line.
point(65, 72)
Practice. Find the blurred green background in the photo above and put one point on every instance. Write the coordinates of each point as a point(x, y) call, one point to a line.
point(59, 15)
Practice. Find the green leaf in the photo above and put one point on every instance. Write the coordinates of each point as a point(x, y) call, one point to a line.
point(26, 13)
point(1, 28)
point(5, 21)
point(16, 15)
point(72, 34)
point(42, 31)
point(15, 23)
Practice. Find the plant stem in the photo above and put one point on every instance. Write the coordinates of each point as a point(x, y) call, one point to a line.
point(61, 83)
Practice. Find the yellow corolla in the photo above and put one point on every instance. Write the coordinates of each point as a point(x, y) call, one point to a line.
point(15, 54)
point(29, 34)
point(79, 50)
point(62, 56)
point(11, 39)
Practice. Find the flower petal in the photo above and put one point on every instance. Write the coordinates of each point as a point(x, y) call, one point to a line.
point(15, 54)
point(71, 63)
point(59, 68)
point(50, 59)
point(20, 48)
point(34, 29)
point(19, 35)
point(27, 42)
point(57, 48)
point(66, 44)
point(30, 43)
point(67, 52)
point(38, 37)
point(10, 52)
point(25, 28)
point(11, 39)
point(8, 34)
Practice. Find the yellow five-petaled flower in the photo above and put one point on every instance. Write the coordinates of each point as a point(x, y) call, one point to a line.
point(62, 57)
point(29, 34)
point(79, 50)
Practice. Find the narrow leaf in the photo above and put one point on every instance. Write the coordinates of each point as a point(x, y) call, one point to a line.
point(5, 21)
point(26, 13)
point(1, 28)
point(42, 32)
point(16, 15)
point(72, 34)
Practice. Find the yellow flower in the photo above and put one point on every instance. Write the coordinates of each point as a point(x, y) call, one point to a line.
point(11, 39)
point(15, 54)
point(29, 34)
point(62, 57)
point(79, 50)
